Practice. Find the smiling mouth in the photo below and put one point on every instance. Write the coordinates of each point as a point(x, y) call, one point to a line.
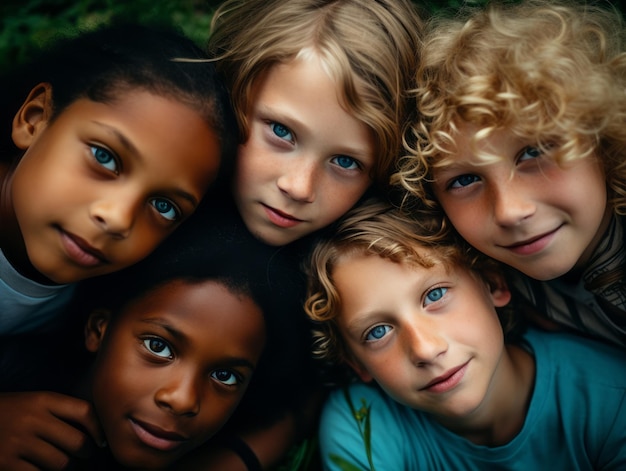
point(448, 380)
point(280, 218)
point(80, 251)
point(155, 437)
point(532, 245)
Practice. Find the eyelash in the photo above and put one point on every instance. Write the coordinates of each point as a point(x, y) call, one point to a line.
point(387, 327)
point(428, 301)
point(237, 377)
point(97, 151)
point(147, 341)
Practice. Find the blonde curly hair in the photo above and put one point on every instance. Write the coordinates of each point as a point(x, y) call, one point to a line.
point(369, 47)
point(549, 71)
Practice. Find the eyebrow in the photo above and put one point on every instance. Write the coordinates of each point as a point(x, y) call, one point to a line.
point(180, 337)
point(119, 136)
point(131, 149)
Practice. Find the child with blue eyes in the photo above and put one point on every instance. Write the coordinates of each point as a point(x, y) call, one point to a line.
point(520, 141)
point(116, 136)
point(320, 93)
point(178, 344)
point(449, 377)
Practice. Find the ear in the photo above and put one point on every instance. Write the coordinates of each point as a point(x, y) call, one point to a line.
point(358, 368)
point(500, 294)
point(32, 116)
point(95, 328)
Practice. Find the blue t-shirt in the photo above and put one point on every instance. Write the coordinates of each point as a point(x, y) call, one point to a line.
point(27, 306)
point(576, 420)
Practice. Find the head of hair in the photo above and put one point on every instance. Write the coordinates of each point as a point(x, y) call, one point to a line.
point(379, 229)
point(103, 64)
point(552, 72)
point(370, 48)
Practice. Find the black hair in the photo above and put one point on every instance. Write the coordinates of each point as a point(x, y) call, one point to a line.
point(103, 63)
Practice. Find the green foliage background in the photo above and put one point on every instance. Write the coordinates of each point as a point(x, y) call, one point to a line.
point(26, 25)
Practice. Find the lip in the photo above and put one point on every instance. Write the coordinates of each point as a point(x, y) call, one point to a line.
point(533, 245)
point(280, 218)
point(155, 437)
point(80, 251)
point(447, 381)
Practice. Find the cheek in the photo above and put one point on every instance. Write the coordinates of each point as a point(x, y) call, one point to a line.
point(252, 163)
point(334, 198)
point(143, 241)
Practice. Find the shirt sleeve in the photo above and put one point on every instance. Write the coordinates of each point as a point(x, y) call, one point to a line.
point(355, 434)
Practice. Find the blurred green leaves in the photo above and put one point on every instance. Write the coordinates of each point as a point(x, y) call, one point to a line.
point(28, 25)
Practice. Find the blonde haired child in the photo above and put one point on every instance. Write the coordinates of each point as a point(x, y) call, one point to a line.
point(319, 89)
point(455, 382)
point(520, 139)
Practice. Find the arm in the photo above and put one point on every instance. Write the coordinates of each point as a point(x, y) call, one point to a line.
point(45, 430)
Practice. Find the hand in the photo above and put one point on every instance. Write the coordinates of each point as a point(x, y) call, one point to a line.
point(45, 430)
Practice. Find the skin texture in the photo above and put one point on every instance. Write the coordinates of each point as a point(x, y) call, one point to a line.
point(178, 360)
point(431, 338)
point(525, 210)
point(98, 188)
point(306, 160)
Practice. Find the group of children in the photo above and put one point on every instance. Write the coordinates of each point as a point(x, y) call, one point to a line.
point(432, 195)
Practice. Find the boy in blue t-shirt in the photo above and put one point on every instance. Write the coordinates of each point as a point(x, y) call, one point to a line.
point(414, 313)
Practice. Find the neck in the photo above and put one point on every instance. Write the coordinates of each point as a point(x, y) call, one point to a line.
point(11, 240)
point(503, 413)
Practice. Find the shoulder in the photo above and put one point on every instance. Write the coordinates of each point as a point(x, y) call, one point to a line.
point(575, 358)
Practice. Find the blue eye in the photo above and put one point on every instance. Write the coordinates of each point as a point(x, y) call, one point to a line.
point(165, 208)
point(282, 131)
point(435, 295)
point(378, 332)
point(226, 377)
point(463, 181)
point(530, 152)
point(158, 347)
point(346, 162)
point(104, 158)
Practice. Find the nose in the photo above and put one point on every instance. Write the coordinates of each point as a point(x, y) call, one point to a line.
point(511, 205)
point(424, 343)
point(180, 394)
point(298, 179)
point(115, 214)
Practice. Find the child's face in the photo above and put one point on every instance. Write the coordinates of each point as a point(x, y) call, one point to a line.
point(306, 160)
point(171, 368)
point(525, 210)
point(430, 338)
point(103, 184)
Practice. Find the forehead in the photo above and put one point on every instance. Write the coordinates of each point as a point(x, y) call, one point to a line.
point(205, 303)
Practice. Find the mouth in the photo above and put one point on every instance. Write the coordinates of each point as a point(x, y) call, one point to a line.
point(280, 218)
point(532, 245)
point(156, 437)
point(80, 251)
point(448, 380)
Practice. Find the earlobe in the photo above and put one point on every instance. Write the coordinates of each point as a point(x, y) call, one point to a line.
point(500, 293)
point(33, 116)
point(95, 328)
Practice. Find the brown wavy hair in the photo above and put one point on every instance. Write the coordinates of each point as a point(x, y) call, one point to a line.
point(369, 47)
